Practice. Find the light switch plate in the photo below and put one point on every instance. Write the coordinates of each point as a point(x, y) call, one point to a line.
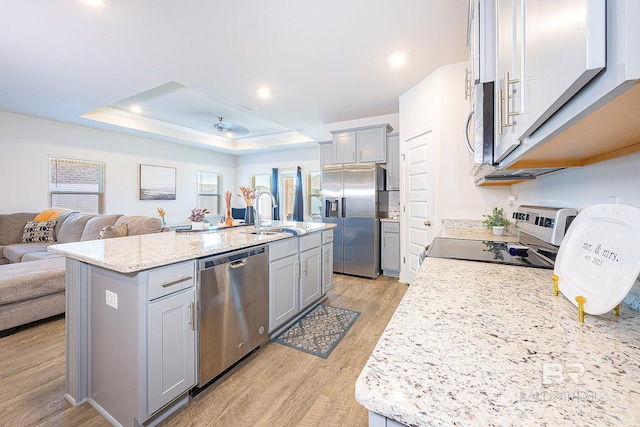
point(112, 299)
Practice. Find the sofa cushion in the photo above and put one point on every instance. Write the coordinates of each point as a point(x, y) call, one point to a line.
point(15, 252)
point(23, 281)
point(36, 256)
point(110, 231)
point(95, 225)
point(73, 227)
point(140, 224)
point(12, 226)
point(39, 231)
point(49, 215)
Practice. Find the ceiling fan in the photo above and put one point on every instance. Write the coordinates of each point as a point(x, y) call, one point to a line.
point(230, 129)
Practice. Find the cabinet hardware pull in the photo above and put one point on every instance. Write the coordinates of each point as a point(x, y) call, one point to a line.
point(467, 84)
point(238, 264)
point(500, 99)
point(509, 99)
point(192, 306)
point(175, 282)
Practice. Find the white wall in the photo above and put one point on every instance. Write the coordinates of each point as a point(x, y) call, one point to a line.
point(285, 160)
point(26, 143)
point(585, 186)
point(438, 102)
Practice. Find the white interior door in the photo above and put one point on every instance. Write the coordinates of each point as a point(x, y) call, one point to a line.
point(418, 195)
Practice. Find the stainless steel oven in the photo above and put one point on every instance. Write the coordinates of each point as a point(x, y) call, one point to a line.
point(541, 230)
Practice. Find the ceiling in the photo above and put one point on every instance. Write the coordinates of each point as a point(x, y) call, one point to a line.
point(186, 63)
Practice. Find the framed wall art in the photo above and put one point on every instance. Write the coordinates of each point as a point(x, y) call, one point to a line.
point(157, 182)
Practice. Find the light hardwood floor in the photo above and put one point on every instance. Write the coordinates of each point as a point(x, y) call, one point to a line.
point(275, 386)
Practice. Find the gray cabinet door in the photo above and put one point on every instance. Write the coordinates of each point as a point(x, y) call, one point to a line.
point(391, 251)
point(310, 276)
point(171, 349)
point(344, 147)
point(393, 162)
point(327, 267)
point(283, 291)
point(372, 145)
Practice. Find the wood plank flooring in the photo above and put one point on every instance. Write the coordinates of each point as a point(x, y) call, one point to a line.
point(275, 386)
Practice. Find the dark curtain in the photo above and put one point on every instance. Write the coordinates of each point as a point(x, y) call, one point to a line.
point(298, 203)
point(274, 191)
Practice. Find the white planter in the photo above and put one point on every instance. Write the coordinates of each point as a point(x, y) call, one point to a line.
point(498, 231)
point(197, 225)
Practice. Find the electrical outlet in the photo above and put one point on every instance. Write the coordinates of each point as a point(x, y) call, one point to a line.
point(112, 299)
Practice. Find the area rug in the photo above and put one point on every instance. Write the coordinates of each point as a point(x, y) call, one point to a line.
point(319, 331)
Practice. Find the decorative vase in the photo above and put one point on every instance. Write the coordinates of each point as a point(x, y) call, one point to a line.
point(197, 225)
point(498, 231)
point(228, 220)
point(250, 215)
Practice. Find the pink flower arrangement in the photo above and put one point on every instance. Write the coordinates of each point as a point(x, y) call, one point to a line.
point(248, 194)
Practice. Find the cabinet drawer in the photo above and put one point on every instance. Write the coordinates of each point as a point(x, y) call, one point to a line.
point(310, 241)
point(327, 236)
point(283, 248)
point(390, 227)
point(167, 280)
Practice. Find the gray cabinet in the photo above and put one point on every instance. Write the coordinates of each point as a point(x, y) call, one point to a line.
point(365, 144)
point(326, 153)
point(142, 340)
point(393, 161)
point(310, 269)
point(390, 248)
point(171, 348)
point(327, 261)
point(284, 302)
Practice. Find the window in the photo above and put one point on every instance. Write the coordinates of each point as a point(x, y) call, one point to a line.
point(314, 193)
point(263, 183)
point(286, 193)
point(76, 184)
point(208, 192)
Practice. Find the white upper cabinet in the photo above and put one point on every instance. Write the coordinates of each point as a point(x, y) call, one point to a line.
point(546, 52)
point(508, 65)
point(481, 41)
point(564, 48)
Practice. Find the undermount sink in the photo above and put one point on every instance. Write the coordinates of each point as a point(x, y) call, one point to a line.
point(263, 232)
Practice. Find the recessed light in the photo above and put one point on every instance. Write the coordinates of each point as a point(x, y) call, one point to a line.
point(397, 59)
point(136, 109)
point(95, 3)
point(229, 134)
point(264, 92)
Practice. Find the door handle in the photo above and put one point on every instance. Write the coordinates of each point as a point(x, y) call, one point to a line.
point(344, 207)
point(427, 223)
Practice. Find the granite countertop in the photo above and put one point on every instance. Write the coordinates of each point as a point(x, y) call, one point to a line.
point(136, 253)
point(475, 343)
point(390, 219)
point(473, 230)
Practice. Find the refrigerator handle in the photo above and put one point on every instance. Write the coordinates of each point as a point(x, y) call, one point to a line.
point(344, 207)
point(327, 207)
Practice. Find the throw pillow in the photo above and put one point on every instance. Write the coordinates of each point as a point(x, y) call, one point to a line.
point(39, 232)
point(111, 231)
point(49, 215)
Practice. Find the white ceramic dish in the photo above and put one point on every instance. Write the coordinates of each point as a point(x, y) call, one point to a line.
point(599, 257)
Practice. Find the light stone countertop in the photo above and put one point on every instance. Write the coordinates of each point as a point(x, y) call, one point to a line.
point(390, 219)
point(469, 229)
point(477, 344)
point(136, 253)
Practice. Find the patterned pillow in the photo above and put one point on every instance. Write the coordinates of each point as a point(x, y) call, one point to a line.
point(39, 232)
point(111, 231)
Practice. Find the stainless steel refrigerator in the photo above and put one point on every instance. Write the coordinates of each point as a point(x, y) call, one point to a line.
point(350, 200)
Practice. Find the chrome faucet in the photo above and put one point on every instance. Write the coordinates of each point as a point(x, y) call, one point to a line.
point(274, 204)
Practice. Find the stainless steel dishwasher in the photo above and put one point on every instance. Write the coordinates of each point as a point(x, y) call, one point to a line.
point(233, 316)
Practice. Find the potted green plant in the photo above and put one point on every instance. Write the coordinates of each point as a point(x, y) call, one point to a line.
point(496, 221)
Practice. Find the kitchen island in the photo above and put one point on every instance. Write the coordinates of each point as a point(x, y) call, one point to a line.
point(477, 344)
point(131, 316)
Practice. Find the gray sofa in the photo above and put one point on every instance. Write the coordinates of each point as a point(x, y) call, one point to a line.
point(32, 280)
